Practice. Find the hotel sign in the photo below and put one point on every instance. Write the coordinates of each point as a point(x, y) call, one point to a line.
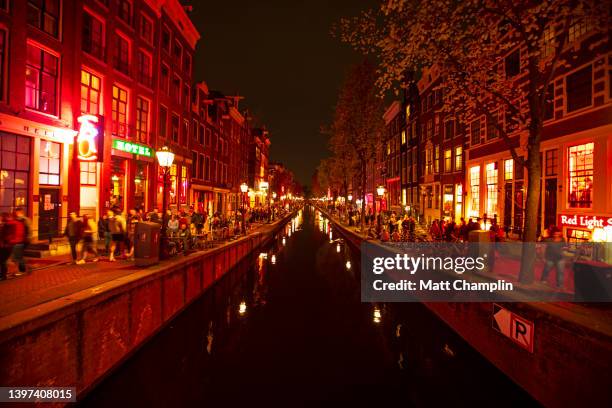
point(584, 221)
point(134, 148)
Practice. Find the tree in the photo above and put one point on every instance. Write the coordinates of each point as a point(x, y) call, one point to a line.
point(357, 127)
point(498, 58)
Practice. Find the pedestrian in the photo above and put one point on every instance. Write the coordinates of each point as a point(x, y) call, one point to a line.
point(89, 239)
point(553, 256)
point(104, 231)
point(117, 227)
point(173, 226)
point(6, 243)
point(74, 232)
point(131, 222)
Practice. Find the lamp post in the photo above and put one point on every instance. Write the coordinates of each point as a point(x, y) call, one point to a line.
point(165, 157)
point(380, 191)
point(244, 188)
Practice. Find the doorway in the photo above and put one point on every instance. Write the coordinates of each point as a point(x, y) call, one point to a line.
point(49, 212)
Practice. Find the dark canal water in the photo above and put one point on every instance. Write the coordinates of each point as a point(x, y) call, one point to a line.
point(287, 328)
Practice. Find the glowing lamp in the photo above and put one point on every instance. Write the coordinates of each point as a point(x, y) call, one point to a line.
point(244, 187)
point(350, 197)
point(165, 157)
point(380, 190)
point(86, 139)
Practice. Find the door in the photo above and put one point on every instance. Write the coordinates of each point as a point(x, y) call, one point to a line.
point(48, 210)
point(550, 202)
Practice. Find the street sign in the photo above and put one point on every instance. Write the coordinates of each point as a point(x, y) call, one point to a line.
point(518, 329)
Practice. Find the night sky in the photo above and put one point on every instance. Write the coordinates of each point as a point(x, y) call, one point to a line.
point(281, 57)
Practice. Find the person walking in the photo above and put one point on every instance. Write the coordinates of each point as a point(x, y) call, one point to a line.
point(553, 256)
point(6, 243)
point(74, 232)
point(116, 224)
point(104, 231)
point(89, 239)
point(131, 222)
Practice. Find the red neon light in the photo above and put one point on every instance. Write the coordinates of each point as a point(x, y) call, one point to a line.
point(86, 140)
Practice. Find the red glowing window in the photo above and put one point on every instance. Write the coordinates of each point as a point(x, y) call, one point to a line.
point(580, 163)
point(90, 93)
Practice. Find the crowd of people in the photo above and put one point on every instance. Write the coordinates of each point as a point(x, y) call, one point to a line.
point(117, 230)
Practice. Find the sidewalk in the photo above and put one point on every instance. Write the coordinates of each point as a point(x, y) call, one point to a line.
point(54, 277)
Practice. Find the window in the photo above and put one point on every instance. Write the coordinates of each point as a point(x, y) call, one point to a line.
point(119, 111)
point(549, 102)
point(2, 62)
point(548, 41)
point(49, 163)
point(142, 120)
point(552, 162)
point(428, 162)
point(512, 64)
point(580, 163)
point(508, 169)
point(437, 159)
point(186, 96)
point(475, 191)
point(166, 39)
point(207, 168)
point(475, 132)
point(458, 158)
point(122, 54)
point(578, 28)
point(403, 137)
point(143, 64)
point(163, 122)
point(491, 174)
point(93, 36)
point(187, 63)
point(125, 11)
point(579, 89)
point(90, 93)
point(41, 80)
point(88, 173)
point(201, 134)
point(175, 128)
point(448, 160)
point(15, 167)
point(185, 133)
point(165, 79)
point(449, 129)
point(176, 89)
point(44, 15)
point(146, 29)
point(177, 52)
point(429, 128)
point(493, 124)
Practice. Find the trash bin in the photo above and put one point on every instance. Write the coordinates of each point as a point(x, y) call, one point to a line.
point(146, 243)
point(592, 281)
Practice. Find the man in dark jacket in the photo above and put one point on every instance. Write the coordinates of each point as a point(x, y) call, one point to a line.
point(74, 231)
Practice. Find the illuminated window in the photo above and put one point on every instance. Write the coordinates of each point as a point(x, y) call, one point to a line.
point(119, 111)
point(41, 80)
point(14, 171)
point(458, 158)
point(184, 185)
point(491, 176)
point(548, 41)
point(580, 163)
point(49, 163)
point(88, 173)
point(90, 93)
point(142, 119)
point(403, 137)
point(44, 15)
point(448, 160)
point(578, 28)
point(508, 169)
point(475, 191)
point(437, 159)
point(428, 162)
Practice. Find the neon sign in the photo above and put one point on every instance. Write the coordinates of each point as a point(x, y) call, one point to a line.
point(584, 221)
point(87, 137)
point(133, 148)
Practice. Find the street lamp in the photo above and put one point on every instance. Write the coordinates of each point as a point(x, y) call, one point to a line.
point(165, 157)
point(380, 190)
point(244, 188)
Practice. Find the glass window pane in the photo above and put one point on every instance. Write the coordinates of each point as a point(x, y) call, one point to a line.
point(43, 178)
point(21, 198)
point(7, 179)
point(8, 160)
point(21, 179)
point(23, 162)
point(23, 145)
point(9, 142)
point(44, 166)
point(6, 198)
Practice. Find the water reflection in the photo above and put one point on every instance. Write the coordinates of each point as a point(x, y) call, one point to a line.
point(297, 334)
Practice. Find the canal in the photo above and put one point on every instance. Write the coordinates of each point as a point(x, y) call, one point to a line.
point(287, 327)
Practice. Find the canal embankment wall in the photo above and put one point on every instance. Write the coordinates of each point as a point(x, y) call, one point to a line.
point(76, 340)
point(572, 344)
